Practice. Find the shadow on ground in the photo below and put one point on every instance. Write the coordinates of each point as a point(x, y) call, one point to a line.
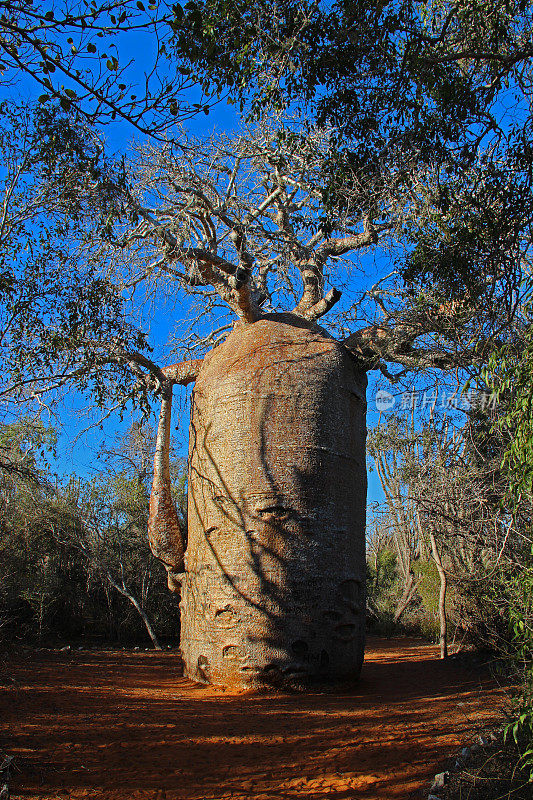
point(127, 726)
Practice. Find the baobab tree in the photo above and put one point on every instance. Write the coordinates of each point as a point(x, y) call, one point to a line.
point(271, 568)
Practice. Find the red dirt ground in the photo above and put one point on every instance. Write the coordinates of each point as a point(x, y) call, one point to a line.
point(127, 726)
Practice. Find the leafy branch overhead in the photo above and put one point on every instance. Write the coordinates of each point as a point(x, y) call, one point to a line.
point(56, 303)
point(389, 76)
point(440, 87)
point(78, 55)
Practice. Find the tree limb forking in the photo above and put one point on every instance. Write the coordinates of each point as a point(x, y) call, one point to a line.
point(322, 306)
point(230, 281)
point(255, 197)
point(377, 344)
point(314, 304)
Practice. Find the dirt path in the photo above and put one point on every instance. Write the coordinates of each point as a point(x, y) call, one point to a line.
point(127, 726)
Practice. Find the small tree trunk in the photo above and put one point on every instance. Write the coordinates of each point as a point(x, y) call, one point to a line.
point(41, 617)
point(147, 625)
point(442, 598)
point(165, 536)
point(139, 609)
point(407, 597)
point(377, 571)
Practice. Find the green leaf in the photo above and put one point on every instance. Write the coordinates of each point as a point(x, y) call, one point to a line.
point(91, 48)
point(44, 98)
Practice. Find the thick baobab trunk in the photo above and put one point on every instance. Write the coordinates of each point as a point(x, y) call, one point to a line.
point(274, 584)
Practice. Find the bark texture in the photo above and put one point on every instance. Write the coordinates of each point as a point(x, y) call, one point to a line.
point(274, 584)
point(165, 536)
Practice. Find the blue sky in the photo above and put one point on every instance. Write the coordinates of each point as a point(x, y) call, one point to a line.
point(77, 450)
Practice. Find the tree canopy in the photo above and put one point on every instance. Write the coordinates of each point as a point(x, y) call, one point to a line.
point(57, 307)
point(442, 85)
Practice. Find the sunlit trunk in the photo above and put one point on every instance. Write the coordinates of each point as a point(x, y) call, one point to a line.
point(147, 624)
point(274, 585)
point(121, 588)
point(164, 531)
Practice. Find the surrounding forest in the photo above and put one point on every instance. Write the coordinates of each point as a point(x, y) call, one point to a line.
point(375, 182)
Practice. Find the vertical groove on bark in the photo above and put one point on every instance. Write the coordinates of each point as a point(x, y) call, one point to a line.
point(164, 531)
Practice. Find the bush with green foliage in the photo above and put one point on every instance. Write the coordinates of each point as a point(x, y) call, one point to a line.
point(60, 544)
